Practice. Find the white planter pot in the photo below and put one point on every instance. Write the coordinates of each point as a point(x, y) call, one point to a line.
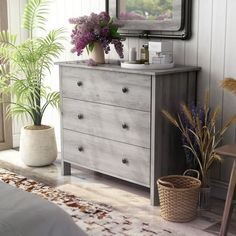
point(38, 147)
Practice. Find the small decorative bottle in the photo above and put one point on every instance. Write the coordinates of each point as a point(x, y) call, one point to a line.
point(144, 54)
point(132, 54)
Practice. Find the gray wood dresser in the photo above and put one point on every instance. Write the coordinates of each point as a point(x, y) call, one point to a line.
point(112, 122)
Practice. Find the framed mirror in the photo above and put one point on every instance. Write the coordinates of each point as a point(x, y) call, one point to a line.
point(152, 18)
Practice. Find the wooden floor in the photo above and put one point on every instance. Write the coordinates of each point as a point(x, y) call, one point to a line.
point(128, 198)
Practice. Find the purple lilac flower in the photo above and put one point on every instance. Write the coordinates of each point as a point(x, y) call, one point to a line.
point(105, 32)
point(95, 28)
point(104, 16)
point(118, 47)
point(197, 112)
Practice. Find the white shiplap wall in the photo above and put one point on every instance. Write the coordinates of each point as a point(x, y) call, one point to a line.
point(15, 10)
point(212, 47)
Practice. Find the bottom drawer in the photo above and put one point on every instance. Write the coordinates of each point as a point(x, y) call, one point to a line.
point(121, 160)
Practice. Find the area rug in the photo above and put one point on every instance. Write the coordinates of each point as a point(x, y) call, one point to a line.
point(93, 218)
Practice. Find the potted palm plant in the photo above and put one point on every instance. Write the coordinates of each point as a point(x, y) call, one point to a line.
point(22, 73)
point(200, 138)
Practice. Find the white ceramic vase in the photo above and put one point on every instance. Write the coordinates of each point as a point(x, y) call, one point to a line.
point(98, 53)
point(38, 147)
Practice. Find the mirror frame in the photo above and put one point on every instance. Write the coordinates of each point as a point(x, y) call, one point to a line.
point(184, 32)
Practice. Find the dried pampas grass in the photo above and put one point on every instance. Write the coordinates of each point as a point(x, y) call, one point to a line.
point(202, 136)
point(229, 84)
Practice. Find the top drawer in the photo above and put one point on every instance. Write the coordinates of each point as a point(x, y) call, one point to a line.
point(120, 89)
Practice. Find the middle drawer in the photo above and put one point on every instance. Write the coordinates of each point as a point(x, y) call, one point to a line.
point(116, 123)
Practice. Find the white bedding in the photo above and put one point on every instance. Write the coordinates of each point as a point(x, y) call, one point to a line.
point(25, 214)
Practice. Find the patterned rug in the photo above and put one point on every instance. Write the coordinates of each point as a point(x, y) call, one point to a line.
point(93, 218)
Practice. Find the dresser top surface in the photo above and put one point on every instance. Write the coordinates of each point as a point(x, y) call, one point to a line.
point(114, 66)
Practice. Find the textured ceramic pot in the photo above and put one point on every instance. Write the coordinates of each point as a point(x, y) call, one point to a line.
point(98, 53)
point(38, 146)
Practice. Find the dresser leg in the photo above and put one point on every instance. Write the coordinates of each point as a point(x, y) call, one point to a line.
point(154, 197)
point(66, 168)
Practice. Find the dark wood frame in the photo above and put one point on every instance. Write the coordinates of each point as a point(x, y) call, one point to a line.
point(184, 31)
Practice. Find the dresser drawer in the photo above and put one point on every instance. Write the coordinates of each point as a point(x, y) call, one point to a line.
point(116, 123)
point(120, 89)
point(117, 159)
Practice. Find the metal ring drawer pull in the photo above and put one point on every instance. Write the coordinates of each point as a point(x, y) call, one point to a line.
point(125, 126)
point(125, 161)
point(80, 116)
point(80, 83)
point(125, 90)
point(80, 149)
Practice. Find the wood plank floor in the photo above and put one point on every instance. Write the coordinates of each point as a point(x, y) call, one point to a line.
point(125, 197)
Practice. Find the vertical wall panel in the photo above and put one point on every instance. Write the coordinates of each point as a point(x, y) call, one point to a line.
point(191, 46)
point(217, 51)
point(204, 46)
point(179, 52)
point(217, 63)
point(229, 100)
point(3, 26)
point(15, 10)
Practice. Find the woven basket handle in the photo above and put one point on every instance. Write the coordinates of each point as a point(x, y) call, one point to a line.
point(193, 171)
point(165, 183)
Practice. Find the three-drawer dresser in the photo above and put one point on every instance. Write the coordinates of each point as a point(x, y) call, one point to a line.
point(112, 122)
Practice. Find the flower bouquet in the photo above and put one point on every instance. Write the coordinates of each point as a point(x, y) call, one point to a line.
point(95, 30)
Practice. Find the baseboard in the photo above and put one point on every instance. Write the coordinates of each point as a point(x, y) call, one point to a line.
point(219, 189)
point(16, 140)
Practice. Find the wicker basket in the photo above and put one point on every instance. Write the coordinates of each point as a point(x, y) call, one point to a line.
point(178, 197)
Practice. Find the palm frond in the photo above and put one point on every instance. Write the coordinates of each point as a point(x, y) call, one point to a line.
point(35, 15)
point(50, 47)
point(3, 70)
point(52, 99)
point(7, 39)
point(28, 63)
point(7, 46)
point(4, 79)
point(18, 111)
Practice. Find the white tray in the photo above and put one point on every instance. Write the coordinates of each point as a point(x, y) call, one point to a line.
point(146, 67)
